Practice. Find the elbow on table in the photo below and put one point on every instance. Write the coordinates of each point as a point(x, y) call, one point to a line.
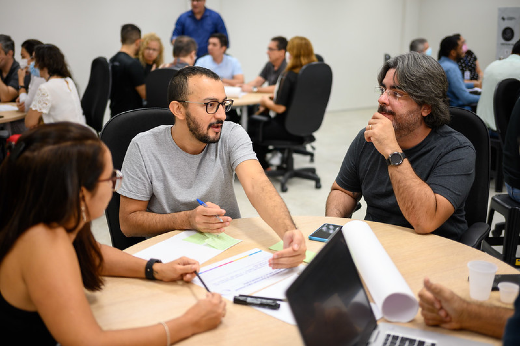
point(423, 227)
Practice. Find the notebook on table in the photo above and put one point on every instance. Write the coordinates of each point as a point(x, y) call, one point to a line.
point(331, 307)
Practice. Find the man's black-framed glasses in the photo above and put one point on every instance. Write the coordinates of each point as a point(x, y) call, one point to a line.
point(212, 106)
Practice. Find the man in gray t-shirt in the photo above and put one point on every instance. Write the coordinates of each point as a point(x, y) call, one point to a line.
point(411, 168)
point(168, 168)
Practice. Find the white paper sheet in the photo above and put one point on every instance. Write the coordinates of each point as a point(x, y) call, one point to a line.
point(387, 286)
point(175, 247)
point(5, 108)
point(234, 92)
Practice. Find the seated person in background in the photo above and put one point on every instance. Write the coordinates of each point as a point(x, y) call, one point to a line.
point(442, 307)
point(167, 168)
point(450, 52)
point(49, 256)
point(511, 158)
point(301, 53)
point(272, 69)
point(469, 65)
point(227, 67)
point(420, 45)
point(8, 70)
point(410, 167)
point(496, 72)
point(57, 99)
point(184, 53)
point(29, 77)
point(128, 89)
point(151, 52)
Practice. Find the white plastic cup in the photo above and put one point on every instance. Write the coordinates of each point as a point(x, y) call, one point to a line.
point(508, 291)
point(481, 275)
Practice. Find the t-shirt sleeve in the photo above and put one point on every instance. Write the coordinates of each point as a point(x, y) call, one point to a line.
point(348, 177)
point(136, 73)
point(42, 100)
point(240, 147)
point(136, 181)
point(265, 72)
point(286, 89)
point(237, 68)
point(454, 174)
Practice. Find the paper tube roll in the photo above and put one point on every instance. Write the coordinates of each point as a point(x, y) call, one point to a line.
point(387, 286)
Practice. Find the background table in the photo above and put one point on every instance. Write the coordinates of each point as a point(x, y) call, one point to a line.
point(9, 116)
point(248, 99)
point(125, 303)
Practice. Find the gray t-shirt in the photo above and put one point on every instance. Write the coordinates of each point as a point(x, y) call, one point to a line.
point(155, 169)
point(445, 160)
point(270, 74)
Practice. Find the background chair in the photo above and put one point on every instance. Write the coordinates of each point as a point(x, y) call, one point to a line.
point(504, 98)
point(304, 117)
point(95, 98)
point(474, 129)
point(157, 83)
point(117, 135)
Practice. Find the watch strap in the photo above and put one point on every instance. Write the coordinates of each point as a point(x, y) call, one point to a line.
point(148, 269)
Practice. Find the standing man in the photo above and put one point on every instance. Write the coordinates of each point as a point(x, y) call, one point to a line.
point(199, 23)
point(167, 168)
point(450, 52)
point(227, 67)
point(420, 45)
point(128, 88)
point(9, 70)
point(496, 72)
point(272, 69)
point(411, 168)
point(184, 53)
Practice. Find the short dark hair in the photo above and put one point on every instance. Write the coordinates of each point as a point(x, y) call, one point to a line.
point(448, 44)
point(516, 48)
point(183, 46)
point(281, 42)
point(50, 57)
point(222, 38)
point(417, 45)
point(56, 161)
point(425, 81)
point(30, 44)
point(130, 33)
point(178, 87)
point(7, 43)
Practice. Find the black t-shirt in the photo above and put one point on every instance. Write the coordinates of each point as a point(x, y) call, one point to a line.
point(285, 93)
point(512, 332)
point(270, 74)
point(445, 160)
point(11, 79)
point(511, 156)
point(127, 74)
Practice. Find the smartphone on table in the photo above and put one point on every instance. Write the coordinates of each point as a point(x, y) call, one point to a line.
point(324, 232)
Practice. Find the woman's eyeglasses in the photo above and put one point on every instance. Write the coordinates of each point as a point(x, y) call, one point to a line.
point(116, 179)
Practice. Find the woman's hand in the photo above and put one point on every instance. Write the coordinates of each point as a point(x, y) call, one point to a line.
point(207, 313)
point(183, 268)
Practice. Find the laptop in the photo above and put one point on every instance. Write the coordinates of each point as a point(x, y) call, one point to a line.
point(331, 307)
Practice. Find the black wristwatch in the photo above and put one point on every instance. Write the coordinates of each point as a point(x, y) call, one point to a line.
point(22, 87)
point(148, 269)
point(395, 159)
point(255, 89)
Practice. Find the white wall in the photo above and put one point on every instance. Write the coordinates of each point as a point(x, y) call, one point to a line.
point(351, 35)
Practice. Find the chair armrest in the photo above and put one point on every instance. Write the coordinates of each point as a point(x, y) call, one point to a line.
point(475, 234)
point(258, 117)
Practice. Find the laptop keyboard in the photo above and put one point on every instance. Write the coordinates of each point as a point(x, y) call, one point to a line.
point(401, 340)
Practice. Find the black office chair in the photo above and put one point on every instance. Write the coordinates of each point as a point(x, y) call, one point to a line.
point(117, 135)
point(304, 117)
point(474, 129)
point(504, 98)
point(95, 98)
point(157, 83)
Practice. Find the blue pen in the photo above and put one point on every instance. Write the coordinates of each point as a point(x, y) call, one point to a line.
point(205, 205)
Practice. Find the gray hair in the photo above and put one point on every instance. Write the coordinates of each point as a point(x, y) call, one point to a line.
point(417, 45)
point(183, 46)
point(7, 43)
point(424, 80)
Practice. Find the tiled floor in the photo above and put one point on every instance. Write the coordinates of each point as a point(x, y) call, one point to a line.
point(332, 141)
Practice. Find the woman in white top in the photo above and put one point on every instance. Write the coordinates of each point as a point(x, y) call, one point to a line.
point(57, 99)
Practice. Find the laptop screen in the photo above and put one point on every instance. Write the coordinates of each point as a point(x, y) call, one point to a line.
point(328, 300)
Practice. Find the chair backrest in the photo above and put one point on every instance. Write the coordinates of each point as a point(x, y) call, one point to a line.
point(117, 135)
point(95, 98)
point(504, 99)
point(474, 129)
point(157, 83)
point(310, 99)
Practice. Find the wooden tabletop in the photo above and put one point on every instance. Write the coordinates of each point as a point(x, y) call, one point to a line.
point(249, 99)
point(125, 303)
point(8, 116)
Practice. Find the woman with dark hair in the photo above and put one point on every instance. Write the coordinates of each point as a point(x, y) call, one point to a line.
point(48, 255)
point(28, 80)
point(300, 53)
point(57, 99)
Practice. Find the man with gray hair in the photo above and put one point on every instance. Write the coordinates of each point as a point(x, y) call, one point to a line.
point(420, 45)
point(8, 70)
point(184, 53)
point(410, 167)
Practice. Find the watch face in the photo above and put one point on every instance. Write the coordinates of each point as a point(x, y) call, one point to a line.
point(395, 159)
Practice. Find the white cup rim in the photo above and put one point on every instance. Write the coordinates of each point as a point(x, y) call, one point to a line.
point(482, 266)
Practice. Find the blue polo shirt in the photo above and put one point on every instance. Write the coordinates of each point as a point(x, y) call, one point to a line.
point(199, 29)
point(228, 68)
point(457, 90)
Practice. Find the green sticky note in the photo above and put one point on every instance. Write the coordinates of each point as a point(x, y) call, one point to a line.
point(199, 238)
point(220, 241)
point(309, 255)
